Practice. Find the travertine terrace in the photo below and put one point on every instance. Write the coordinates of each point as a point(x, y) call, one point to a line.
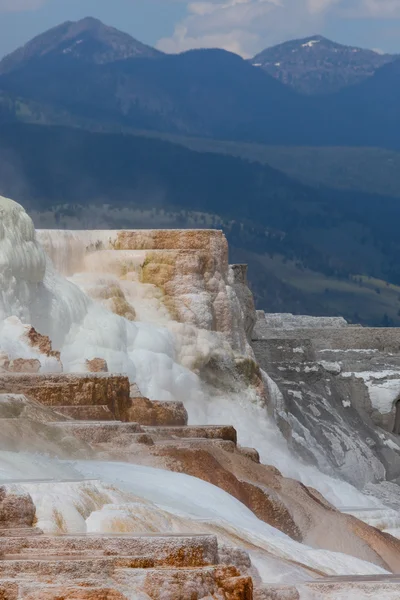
point(211, 459)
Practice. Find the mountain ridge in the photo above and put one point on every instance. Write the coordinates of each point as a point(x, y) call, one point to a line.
point(209, 93)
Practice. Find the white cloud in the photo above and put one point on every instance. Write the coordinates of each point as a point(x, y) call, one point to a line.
point(243, 26)
point(247, 26)
point(320, 6)
point(20, 5)
point(376, 9)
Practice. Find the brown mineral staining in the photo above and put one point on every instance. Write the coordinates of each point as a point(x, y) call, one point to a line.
point(169, 239)
point(202, 464)
point(22, 365)
point(59, 521)
point(216, 583)
point(69, 593)
point(233, 585)
point(41, 342)
point(184, 264)
point(19, 365)
point(151, 412)
point(97, 365)
point(122, 308)
point(16, 508)
point(9, 591)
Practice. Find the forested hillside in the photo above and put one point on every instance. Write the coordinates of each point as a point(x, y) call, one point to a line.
point(287, 231)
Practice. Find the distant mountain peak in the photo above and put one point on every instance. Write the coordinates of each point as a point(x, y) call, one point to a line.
point(87, 39)
point(318, 65)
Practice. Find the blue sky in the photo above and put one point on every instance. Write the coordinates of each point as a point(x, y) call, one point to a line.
point(242, 26)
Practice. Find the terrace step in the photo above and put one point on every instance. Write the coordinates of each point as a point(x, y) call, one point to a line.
point(22, 532)
point(71, 389)
point(71, 566)
point(86, 413)
point(178, 550)
point(276, 592)
point(193, 442)
point(182, 584)
point(81, 590)
point(211, 432)
point(156, 413)
point(99, 432)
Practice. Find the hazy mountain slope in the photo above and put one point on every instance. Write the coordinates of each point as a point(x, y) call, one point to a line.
point(368, 170)
point(88, 40)
point(209, 91)
point(369, 112)
point(267, 216)
point(316, 65)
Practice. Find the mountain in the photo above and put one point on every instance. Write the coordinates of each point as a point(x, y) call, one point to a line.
point(88, 40)
point(316, 65)
point(367, 114)
point(207, 93)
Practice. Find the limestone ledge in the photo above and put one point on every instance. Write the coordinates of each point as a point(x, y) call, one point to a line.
point(381, 339)
point(170, 239)
point(56, 390)
point(152, 412)
point(94, 396)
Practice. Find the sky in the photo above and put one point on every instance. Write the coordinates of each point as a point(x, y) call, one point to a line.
point(242, 26)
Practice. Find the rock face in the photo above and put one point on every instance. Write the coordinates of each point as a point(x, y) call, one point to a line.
point(180, 280)
point(266, 321)
point(334, 394)
point(240, 285)
point(189, 267)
